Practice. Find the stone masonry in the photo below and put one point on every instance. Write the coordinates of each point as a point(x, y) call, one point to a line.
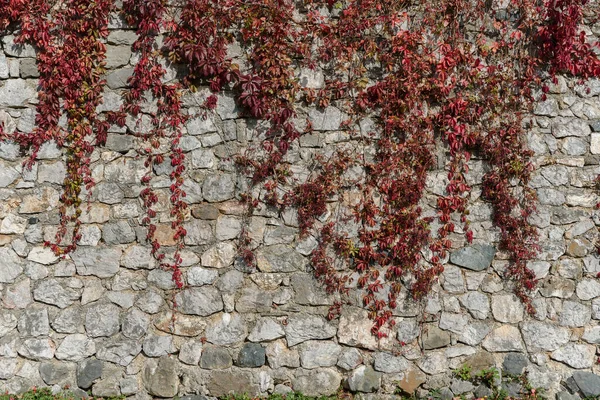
point(100, 320)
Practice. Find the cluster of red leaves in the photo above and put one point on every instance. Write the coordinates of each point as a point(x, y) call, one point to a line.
point(452, 73)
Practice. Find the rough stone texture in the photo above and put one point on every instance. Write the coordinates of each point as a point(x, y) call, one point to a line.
point(102, 319)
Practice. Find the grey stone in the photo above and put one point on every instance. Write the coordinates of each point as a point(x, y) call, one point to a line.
point(474, 333)
point(11, 265)
point(119, 351)
point(327, 119)
point(514, 364)
point(190, 352)
point(477, 257)
point(88, 371)
point(563, 127)
point(279, 258)
point(453, 281)
point(303, 327)
point(37, 349)
point(317, 382)
point(251, 355)
point(199, 301)
point(253, 299)
point(199, 126)
point(122, 37)
point(266, 329)
point(476, 303)
point(349, 359)
point(575, 355)
point(507, 308)
point(459, 386)
point(588, 383)
point(408, 330)
point(118, 78)
point(8, 367)
point(52, 291)
point(434, 338)
point(135, 324)
point(16, 93)
point(544, 336)
point(4, 68)
point(150, 302)
point(102, 320)
point(218, 187)
point(558, 287)
point(161, 378)
point(17, 50)
point(226, 106)
point(121, 298)
point(364, 379)
point(433, 363)
point(42, 255)
point(18, 295)
point(389, 363)
point(592, 335)
point(279, 355)
point(504, 338)
point(588, 289)
point(138, 257)
point(228, 227)
point(117, 56)
point(230, 281)
point(118, 233)
point(162, 279)
point(129, 385)
point(75, 347)
point(226, 329)
point(574, 314)
point(453, 322)
point(8, 175)
point(314, 354)
point(34, 322)
point(223, 383)
point(219, 256)
point(68, 320)
point(97, 261)
point(158, 346)
point(219, 358)
point(54, 372)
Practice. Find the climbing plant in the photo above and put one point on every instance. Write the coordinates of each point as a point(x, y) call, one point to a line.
point(408, 79)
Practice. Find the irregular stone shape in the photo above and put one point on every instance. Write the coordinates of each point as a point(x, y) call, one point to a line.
point(574, 314)
point(411, 380)
point(218, 187)
point(453, 281)
point(326, 119)
point(355, 329)
point(317, 382)
point(251, 355)
point(544, 336)
point(507, 308)
point(119, 232)
point(11, 265)
point(223, 383)
point(215, 358)
point(102, 320)
point(433, 363)
point(575, 355)
point(477, 257)
point(119, 351)
point(51, 291)
point(389, 363)
point(480, 361)
point(453, 322)
point(181, 325)
point(161, 378)
point(434, 338)
point(364, 379)
point(226, 329)
point(8, 322)
point(190, 352)
point(514, 363)
point(459, 386)
point(558, 287)
point(34, 322)
point(135, 324)
point(203, 301)
point(279, 258)
point(254, 300)
point(54, 372)
point(303, 327)
point(8, 367)
point(408, 330)
point(219, 256)
point(504, 338)
point(349, 359)
point(308, 290)
point(16, 92)
point(97, 261)
point(230, 281)
point(588, 383)
point(162, 279)
point(42, 255)
point(278, 355)
point(12, 224)
point(199, 232)
point(75, 348)
point(157, 346)
point(588, 289)
point(197, 276)
point(37, 349)
point(150, 302)
point(563, 127)
point(266, 329)
point(476, 303)
point(228, 227)
point(314, 354)
point(592, 335)
point(18, 295)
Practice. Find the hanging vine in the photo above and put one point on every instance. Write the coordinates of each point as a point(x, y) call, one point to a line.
point(459, 73)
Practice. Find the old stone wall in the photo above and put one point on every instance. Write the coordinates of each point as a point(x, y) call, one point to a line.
point(101, 319)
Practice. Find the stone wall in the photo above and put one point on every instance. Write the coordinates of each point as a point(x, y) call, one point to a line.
point(101, 318)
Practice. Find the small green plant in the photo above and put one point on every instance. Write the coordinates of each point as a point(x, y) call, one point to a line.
point(463, 373)
point(488, 376)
